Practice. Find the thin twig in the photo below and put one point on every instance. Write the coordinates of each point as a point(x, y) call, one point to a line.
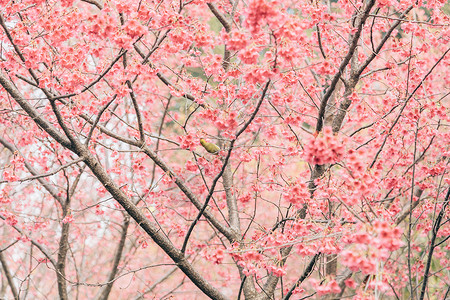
point(51, 173)
point(305, 275)
point(319, 39)
point(436, 226)
point(404, 105)
point(225, 162)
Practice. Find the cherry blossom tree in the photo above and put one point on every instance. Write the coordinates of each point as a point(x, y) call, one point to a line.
point(332, 120)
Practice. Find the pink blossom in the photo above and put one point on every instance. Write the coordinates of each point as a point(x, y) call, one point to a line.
point(68, 219)
point(325, 148)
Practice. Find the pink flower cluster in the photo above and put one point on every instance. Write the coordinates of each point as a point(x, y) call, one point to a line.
point(216, 256)
point(228, 122)
point(371, 244)
point(249, 268)
point(253, 260)
point(134, 29)
point(331, 287)
point(10, 176)
point(237, 41)
point(355, 259)
point(258, 75)
point(245, 198)
point(203, 38)
point(326, 68)
point(324, 149)
point(188, 141)
point(191, 166)
point(388, 236)
point(68, 219)
point(210, 168)
point(258, 12)
point(9, 218)
point(249, 55)
point(329, 246)
point(297, 194)
point(101, 26)
point(276, 270)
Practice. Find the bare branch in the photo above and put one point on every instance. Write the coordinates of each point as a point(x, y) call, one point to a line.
point(35, 243)
point(305, 275)
point(97, 119)
point(103, 74)
point(152, 230)
point(138, 112)
point(319, 39)
point(383, 41)
point(51, 173)
point(436, 227)
point(33, 113)
point(343, 65)
point(404, 105)
point(118, 255)
point(50, 189)
point(225, 162)
point(61, 264)
point(95, 3)
point(219, 16)
point(9, 277)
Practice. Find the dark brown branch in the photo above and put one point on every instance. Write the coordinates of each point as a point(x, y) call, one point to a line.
point(97, 119)
point(10, 38)
point(168, 83)
point(319, 39)
point(63, 245)
point(225, 162)
point(50, 189)
point(62, 254)
point(373, 123)
point(371, 29)
point(133, 99)
point(35, 243)
point(161, 124)
point(421, 156)
point(436, 227)
point(9, 246)
point(62, 123)
point(219, 16)
point(151, 229)
point(138, 112)
point(121, 138)
point(108, 183)
point(154, 285)
point(9, 277)
point(305, 275)
point(21, 56)
point(355, 75)
point(233, 211)
point(343, 65)
point(383, 41)
point(94, 2)
point(161, 76)
point(118, 255)
point(33, 113)
point(103, 74)
point(227, 232)
point(51, 173)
